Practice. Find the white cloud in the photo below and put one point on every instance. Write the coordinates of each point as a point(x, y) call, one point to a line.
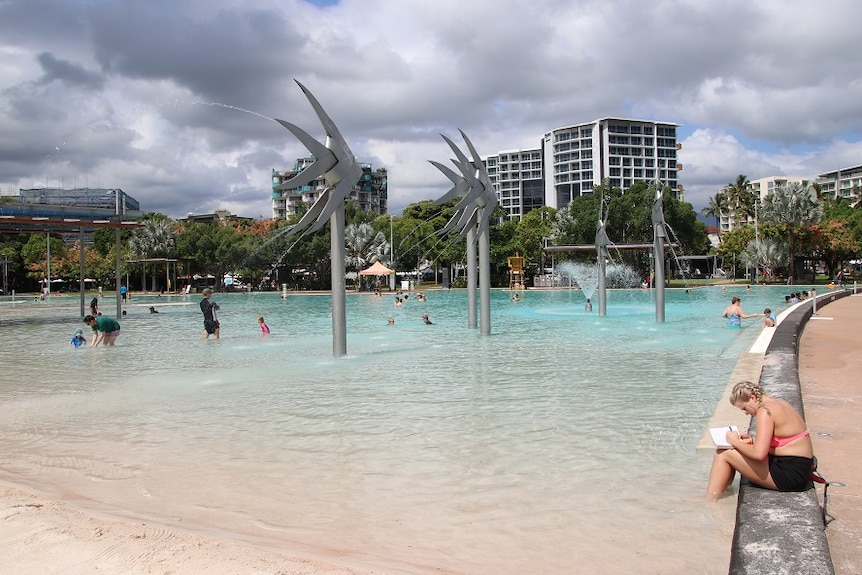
point(149, 96)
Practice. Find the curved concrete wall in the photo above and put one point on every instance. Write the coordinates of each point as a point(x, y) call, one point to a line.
point(782, 533)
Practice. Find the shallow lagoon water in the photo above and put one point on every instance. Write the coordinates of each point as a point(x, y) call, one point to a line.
point(562, 443)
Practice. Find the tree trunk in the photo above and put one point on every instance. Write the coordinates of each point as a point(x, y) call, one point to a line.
point(792, 267)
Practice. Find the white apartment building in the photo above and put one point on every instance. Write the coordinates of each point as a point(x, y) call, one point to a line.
point(516, 176)
point(370, 191)
point(762, 187)
point(577, 158)
point(841, 183)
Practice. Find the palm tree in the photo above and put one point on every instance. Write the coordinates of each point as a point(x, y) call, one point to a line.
point(792, 207)
point(740, 199)
point(363, 246)
point(156, 238)
point(766, 254)
point(717, 206)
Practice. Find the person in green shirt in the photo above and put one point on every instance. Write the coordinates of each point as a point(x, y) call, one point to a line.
point(105, 329)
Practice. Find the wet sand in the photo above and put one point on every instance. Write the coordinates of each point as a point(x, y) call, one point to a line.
point(40, 534)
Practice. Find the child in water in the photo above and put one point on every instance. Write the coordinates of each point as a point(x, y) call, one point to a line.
point(768, 318)
point(78, 338)
point(264, 329)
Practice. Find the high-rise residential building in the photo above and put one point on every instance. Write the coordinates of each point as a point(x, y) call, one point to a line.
point(761, 187)
point(370, 192)
point(843, 183)
point(517, 179)
point(577, 158)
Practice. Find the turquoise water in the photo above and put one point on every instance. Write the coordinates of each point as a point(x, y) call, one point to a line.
point(564, 439)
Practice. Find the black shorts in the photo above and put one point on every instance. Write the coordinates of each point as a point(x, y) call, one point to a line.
point(791, 472)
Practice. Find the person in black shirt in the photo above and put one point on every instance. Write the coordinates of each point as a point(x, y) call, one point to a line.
point(211, 324)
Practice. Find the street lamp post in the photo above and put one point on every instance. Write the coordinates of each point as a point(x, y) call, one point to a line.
point(5, 263)
point(391, 256)
point(756, 244)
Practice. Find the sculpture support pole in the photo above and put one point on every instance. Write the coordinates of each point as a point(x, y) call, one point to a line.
point(659, 277)
point(485, 280)
point(659, 236)
point(601, 288)
point(118, 279)
point(339, 317)
point(471, 274)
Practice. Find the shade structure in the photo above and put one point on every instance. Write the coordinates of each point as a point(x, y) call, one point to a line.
point(377, 269)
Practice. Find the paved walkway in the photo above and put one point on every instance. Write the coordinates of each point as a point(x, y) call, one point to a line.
point(830, 370)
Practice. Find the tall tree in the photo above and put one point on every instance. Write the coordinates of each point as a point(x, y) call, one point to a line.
point(792, 208)
point(364, 246)
point(832, 243)
point(715, 209)
point(154, 239)
point(531, 231)
point(740, 200)
point(764, 254)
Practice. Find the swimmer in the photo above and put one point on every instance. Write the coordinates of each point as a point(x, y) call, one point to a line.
point(734, 313)
point(264, 329)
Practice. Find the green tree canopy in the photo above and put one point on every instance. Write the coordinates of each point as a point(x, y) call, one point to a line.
point(792, 208)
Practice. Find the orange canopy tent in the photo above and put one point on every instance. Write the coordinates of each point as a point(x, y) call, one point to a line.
point(377, 269)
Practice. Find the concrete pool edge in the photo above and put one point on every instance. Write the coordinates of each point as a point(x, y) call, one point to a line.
point(779, 532)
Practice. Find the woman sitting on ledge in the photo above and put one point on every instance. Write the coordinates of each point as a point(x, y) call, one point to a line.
point(778, 457)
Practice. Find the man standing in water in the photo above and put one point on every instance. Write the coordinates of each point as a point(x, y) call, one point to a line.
point(211, 325)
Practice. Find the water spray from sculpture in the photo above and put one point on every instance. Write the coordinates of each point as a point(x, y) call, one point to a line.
point(584, 275)
point(472, 222)
point(337, 165)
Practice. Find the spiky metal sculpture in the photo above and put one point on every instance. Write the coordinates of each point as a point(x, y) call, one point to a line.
point(602, 256)
point(336, 163)
point(472, 221)
point(660, 238)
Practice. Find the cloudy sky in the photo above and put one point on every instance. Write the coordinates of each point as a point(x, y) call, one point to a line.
point(172, 100)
